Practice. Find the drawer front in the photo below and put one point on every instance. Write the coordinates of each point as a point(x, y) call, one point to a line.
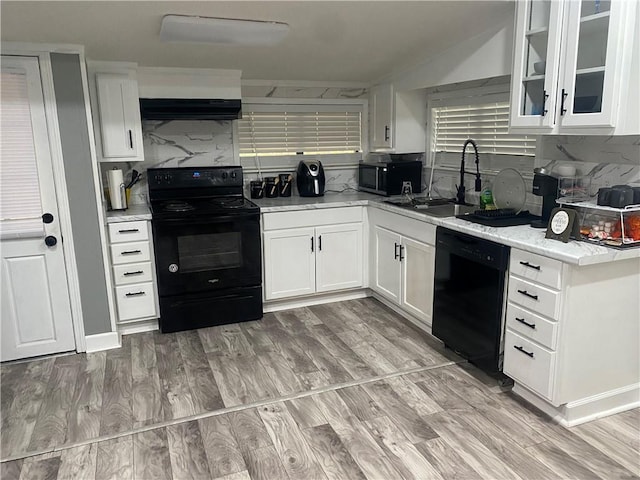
point(130, 252)
point(311, 218)
point(128, 231)
point(132, 273)
point(532, 326)
point(536, 268)
point(529, 364)
point(534, 297)
point(135, 301)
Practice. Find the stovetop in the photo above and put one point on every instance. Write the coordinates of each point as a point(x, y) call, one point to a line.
point(190, 207)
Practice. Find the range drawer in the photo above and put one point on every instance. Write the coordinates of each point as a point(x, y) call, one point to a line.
point(132, 273)
point(534, 297)
point(135, 301)
point(130, 252)
point(532, 326)
point(529, 364)
point(128, 231)
point(537, 268)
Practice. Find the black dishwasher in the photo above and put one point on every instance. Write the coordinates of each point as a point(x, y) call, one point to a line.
point(469, 296)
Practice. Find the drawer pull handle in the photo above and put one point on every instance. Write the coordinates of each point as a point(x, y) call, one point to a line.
point(129, 230)
point(527, 264)
point(131, 252)
point(135, 294)
point(524, 322)
point(140, 272)
point(520, 349)
point(527, 294)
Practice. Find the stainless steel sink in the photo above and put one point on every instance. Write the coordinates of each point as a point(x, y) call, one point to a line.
point(434, 207)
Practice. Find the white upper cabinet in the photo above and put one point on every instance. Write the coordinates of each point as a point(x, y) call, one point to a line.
point(116, 114)
point(398, 119)
point(573, 67)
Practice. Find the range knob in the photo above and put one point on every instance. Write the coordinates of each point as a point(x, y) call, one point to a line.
point(224, 175)
point(234, 174)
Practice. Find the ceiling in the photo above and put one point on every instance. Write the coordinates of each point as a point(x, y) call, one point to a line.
point(329, 41)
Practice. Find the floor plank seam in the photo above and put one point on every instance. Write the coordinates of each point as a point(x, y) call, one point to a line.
point(235, 408)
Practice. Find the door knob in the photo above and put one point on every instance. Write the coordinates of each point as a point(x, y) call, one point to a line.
point(47, 218)
point(50, 240)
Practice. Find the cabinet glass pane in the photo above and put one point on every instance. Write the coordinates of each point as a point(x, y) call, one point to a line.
point(537, 39)
point(592, 56)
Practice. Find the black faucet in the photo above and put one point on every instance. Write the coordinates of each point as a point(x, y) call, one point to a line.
point(478, 186)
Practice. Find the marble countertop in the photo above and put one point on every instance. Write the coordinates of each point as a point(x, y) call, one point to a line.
point(522, 237)
point(134, 212)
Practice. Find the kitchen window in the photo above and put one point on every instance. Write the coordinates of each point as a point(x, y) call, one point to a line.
point(277, 134)
point(479, 114)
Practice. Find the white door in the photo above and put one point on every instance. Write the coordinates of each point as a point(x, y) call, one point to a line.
point(417, 278)
point(36, 313)
point(339, 257)
point(290, 263)
point(387, 263)
point(381, 104)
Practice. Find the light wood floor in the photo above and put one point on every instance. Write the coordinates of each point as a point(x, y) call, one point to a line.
point(347, 390)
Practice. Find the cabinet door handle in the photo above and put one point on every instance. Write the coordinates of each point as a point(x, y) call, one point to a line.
point(527, 294)
point(524, 322)
point(319, 243)
point(140, 272)
point(131, 252)
point(129, 230)
point(545, 95)
point(131, 139)
point(386, 133)
point(401, 250)
point(395, 251)
point(135, 294)
point(312, 244)
point(564, 96)
point(527, 264)
point(520, 349)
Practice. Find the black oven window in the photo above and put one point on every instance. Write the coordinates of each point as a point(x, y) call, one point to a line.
point(213, 251)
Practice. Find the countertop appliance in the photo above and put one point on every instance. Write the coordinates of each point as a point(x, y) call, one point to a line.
point(310, 178)
point(546, 186)
point(390, 177)
point(469, 297)
point(206, 238)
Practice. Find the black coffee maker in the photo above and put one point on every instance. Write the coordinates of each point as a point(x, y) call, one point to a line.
point(545, 186)
point(310, 178)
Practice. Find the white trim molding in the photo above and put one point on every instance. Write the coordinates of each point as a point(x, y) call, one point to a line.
point(102, 341)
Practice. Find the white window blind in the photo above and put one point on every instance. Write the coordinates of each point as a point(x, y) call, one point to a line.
point(20, 206)
point(486, 123)
point(290, 130)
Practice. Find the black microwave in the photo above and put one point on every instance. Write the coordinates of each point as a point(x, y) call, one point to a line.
point(388, 178)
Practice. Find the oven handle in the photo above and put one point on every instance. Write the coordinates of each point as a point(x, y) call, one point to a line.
point(206, 220)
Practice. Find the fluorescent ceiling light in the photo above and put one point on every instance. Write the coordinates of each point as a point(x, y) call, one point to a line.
point(183, 28)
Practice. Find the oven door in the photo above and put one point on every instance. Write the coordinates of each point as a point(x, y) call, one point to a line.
point(207, 254)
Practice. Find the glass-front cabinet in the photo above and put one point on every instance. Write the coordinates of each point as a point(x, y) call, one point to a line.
point(569, 64)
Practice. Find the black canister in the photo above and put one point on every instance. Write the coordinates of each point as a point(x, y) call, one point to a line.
point(285, 184)
point(256, 188)
point(271, 187)
point(604, 196)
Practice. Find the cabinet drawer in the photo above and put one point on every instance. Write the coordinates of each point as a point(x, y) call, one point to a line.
point(532, 326)
point(311, 218)
point(132, 273)
point(534, 297)
point(135, 301)
point(130, 252)
point(128, 231)
point(536, 268)
point(529, 364)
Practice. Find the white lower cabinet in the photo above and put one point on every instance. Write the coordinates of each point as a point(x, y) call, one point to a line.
point(134, 279)
point(402, 262)
point(312, 259)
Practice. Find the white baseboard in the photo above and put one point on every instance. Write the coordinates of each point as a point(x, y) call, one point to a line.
point(586, 409)
point(137, 327)
point(102, 341)
point(277, 305)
